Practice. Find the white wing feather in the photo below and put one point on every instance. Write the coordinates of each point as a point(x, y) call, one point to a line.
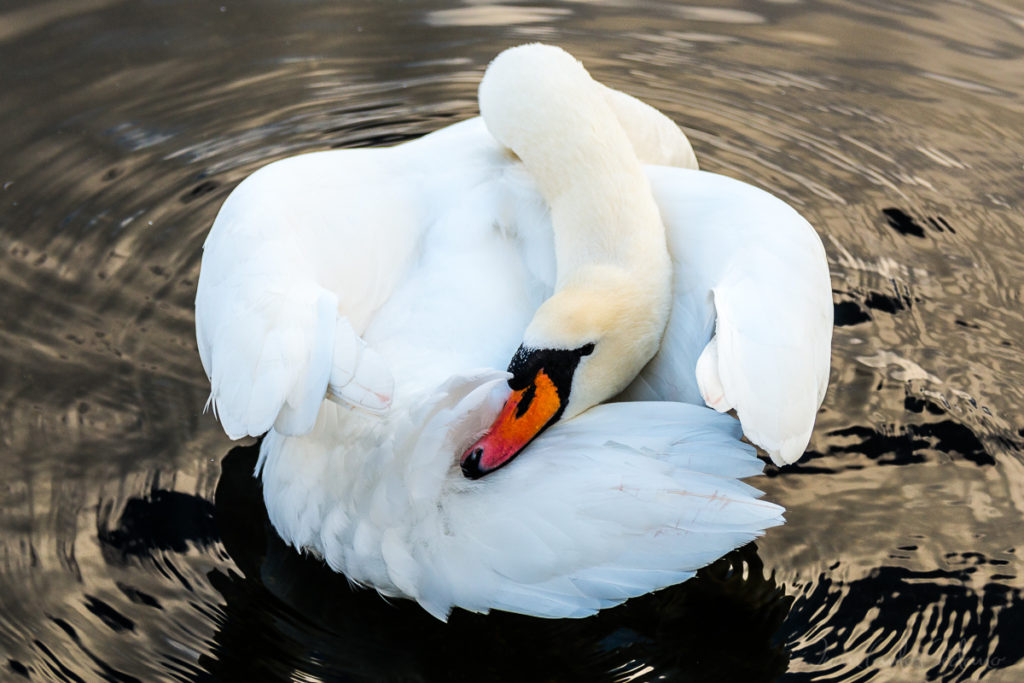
point(751, 322)
point(286, 279)
point(653, 497)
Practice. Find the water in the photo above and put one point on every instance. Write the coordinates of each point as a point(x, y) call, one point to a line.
point(133, 542)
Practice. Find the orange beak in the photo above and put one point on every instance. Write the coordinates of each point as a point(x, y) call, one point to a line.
point(525, 415)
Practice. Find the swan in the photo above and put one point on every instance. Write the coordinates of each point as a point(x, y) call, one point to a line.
point(356, 307)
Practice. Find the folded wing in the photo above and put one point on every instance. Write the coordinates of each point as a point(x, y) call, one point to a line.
point(298, 259)
point(751, 323)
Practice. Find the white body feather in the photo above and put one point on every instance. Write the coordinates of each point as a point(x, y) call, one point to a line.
point(397, 280)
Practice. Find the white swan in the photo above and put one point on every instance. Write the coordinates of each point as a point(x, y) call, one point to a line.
point(395, 280)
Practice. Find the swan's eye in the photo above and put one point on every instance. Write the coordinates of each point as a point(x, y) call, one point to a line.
point(526, 400)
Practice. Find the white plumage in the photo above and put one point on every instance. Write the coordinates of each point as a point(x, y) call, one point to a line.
point(396, 281)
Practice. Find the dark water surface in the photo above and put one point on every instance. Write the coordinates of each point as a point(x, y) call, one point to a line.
point(133, 544)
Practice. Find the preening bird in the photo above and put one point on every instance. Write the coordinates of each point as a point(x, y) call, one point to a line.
point(359, 306)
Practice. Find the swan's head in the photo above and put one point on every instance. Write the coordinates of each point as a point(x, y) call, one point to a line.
point(584, 345)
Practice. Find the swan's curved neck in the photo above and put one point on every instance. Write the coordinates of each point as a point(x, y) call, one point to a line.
point(543, 105)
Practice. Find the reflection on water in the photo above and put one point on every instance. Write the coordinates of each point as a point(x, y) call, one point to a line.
point(133, 548)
